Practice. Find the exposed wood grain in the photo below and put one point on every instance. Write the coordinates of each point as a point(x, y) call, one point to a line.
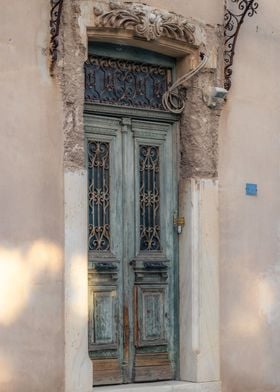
point(106, 372)
point(153, 373)
point(157, 359)
point(126, 342)
point(105, 364)
point(135, 305)
point(131, 318)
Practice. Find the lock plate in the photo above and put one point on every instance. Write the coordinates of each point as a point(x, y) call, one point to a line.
point(180, 221)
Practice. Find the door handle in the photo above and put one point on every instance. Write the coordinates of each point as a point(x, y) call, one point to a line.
point(179, 223)
point(108, 266)
point(148, 265)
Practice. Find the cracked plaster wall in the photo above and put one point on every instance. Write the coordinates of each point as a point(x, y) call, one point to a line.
point(199, 124)
point(71, 77)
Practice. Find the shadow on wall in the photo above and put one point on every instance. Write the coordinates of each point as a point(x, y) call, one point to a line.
point(32, 314)
point(249, 339)
point(20, 272)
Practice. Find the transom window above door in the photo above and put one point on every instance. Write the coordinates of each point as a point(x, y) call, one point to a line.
point(132, 82)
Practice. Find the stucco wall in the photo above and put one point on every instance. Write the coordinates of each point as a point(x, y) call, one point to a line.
point(209, 12)
point(31, 199)
point(250, 226)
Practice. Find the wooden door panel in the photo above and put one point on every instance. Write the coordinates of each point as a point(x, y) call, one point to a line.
point(131, 255)
point(151, 326)
point(153, 270)
point(151, 316)
point(153, 372)
point(104, 318)
point(106, 371)
point(105, 248)
point(104, 326)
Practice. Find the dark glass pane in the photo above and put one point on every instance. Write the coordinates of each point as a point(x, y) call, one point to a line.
point(99, 195)
point(149, 198)
point(125, 83)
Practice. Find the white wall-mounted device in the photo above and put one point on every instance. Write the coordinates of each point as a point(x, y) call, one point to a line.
point(214, 96)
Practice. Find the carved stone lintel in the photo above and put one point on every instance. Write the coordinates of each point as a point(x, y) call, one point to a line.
point(146, 22)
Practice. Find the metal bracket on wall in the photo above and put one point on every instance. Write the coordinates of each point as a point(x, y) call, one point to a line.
point(55, 18)
point(233, 21)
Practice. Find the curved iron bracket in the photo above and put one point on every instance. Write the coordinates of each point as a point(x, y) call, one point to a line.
point(233, 22)
point(55, 18)
point(174, 98)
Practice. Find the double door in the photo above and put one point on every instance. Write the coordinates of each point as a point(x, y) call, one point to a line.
point(131, 240)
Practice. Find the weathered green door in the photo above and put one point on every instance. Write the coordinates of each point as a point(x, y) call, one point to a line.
point(132, 201)
point(132, 193)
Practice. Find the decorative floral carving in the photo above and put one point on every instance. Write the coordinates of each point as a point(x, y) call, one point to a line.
point(233, 22)
point(147, 22)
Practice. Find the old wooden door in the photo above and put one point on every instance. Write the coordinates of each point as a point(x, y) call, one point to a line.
point(132, 265)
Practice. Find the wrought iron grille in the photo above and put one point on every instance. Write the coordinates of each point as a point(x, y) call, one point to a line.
point(149, 198)
point(99, 195)
point(234, 19)
point(125, 83)
point(55, 19)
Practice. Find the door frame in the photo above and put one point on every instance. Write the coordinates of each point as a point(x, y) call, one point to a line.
point(198, 203)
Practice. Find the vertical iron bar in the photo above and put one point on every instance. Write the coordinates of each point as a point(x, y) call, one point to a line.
point(55, 18)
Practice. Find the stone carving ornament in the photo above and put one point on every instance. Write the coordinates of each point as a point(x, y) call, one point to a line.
point(147, 22)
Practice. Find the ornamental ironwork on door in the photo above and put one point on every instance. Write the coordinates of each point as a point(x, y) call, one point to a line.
point(99, 195)
point(149, 167)
point(131, 241)
point(126, 83)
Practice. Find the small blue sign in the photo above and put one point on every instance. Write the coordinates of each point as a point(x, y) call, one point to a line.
point(251, 189)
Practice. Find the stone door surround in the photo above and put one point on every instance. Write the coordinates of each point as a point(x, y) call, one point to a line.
point(198, 198)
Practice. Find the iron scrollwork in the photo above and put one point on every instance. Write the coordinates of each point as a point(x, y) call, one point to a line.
point(149, 166)
point(99, 195)
point(233, 22)
point(55, 18)
point(125, 83)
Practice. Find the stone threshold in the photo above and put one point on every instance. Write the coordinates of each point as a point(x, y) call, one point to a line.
point(166, 386)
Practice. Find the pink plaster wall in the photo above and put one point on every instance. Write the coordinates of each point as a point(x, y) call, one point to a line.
point(31, 199)
point(250, 226)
